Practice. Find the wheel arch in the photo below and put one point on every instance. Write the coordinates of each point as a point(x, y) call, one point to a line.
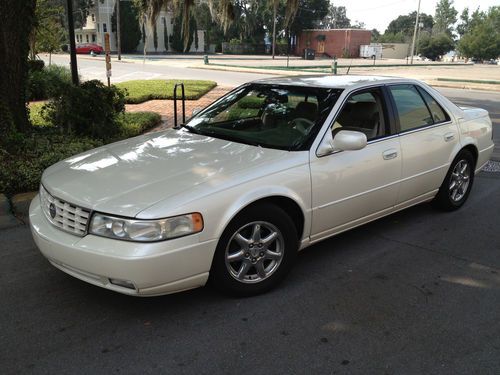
point(287, 201)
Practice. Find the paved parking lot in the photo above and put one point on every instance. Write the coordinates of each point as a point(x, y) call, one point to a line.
point(415, 293)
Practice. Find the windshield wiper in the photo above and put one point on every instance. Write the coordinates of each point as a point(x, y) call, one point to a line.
point(191, 129)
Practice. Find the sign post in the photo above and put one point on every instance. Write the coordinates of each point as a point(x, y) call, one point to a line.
point(108, 57)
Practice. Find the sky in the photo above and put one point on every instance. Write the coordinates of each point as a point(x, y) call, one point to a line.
point(379, 13)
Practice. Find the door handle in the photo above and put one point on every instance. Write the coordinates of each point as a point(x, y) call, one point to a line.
point(449, 137)
point(390, 154)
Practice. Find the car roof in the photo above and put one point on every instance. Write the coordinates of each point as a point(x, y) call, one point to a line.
point(333, 81)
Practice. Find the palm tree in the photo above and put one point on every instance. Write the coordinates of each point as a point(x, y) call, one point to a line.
point(221, 11)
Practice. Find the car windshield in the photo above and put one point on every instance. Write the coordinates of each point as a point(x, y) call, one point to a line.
point(272, 116)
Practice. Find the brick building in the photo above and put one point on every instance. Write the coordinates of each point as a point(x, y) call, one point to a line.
point(333, 42)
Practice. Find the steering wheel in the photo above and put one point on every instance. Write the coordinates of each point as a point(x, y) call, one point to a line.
point(301, 124)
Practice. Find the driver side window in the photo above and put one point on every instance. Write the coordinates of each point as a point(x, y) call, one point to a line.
point(363, 112)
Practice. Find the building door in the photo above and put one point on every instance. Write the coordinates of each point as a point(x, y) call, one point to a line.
point(321, 46)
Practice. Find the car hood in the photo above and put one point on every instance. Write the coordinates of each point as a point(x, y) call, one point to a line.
point(127, 177)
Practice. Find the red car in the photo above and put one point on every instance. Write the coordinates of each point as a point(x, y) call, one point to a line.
point(89, 48)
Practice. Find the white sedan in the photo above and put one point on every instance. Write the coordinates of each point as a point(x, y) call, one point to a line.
point(269, 169)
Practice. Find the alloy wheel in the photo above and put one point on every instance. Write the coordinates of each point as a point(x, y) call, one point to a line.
point(254, 252)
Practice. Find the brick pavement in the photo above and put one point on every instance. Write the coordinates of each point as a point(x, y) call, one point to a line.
point(166, 107)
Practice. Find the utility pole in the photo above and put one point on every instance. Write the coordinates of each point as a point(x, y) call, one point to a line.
point(275, 8)
point(118, 30)
point(72, 43)
point(415, 34)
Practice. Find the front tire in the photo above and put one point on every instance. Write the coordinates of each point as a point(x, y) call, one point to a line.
point(255, 252)
point(457, 184)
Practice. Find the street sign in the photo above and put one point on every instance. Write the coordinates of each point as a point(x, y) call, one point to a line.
point(107, 50)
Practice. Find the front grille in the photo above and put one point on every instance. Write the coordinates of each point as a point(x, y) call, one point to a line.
point(64, 215)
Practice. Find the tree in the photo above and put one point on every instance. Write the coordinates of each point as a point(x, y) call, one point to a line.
point(309, 14)
point(223, 11)
point(445, 17)
point(16, 22)
point(48, 32)
point(435, 46)
point(129, 26)
point(406, 24)
point(483, 39)
point(336, 18)
point(177, 38)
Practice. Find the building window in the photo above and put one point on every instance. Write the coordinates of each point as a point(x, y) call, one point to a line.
point(93, 38)
point(98, 27)
point(104, 28)
point(87, 37)
point(93, 17)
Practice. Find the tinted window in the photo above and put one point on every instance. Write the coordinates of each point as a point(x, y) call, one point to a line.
point(438, 114)
point(412, 110)
point(363, 112)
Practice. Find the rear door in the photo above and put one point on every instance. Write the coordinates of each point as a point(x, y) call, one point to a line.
point(428, 138)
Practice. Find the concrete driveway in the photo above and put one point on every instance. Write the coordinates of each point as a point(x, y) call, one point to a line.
point(415, 293)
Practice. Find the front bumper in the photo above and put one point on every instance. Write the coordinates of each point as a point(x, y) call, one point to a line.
point(153, 268)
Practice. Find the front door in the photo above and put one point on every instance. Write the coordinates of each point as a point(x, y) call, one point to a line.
point(321, 46)
point(352, 187)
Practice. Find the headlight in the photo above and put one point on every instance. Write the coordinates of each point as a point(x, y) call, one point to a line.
point(145, 230)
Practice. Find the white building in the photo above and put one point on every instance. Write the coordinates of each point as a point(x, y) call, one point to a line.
point(99, 23)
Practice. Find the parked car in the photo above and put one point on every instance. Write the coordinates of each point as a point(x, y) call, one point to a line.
point(271, 168)
point(89, 48)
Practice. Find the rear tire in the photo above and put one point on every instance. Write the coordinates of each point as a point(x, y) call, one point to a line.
point(256, 251)
point(457, 184)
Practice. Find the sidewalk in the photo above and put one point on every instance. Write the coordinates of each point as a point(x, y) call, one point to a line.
point(166, 107)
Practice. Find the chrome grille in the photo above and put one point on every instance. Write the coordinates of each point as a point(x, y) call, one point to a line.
point(64, 215)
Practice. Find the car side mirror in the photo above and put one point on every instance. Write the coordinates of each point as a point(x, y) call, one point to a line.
point(345, 140)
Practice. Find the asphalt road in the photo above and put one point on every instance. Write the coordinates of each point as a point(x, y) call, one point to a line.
point(415, 293)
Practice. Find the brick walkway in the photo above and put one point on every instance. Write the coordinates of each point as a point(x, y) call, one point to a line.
point(166, 107)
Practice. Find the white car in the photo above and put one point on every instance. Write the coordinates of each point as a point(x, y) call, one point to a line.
point(271, 168)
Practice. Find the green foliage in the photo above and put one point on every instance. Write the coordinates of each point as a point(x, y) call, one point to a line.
point(135, 123)
point(177, 38)
point(35, 65)
point(405, 25)
point(445, 17)
point(129, 26)
point(25, 157)
point(155, 37)
point(140, 91)
point(165, 34)
point(392, 38)
point(48, 31)
point(310, 12)
point(47, 83)
point(90, 109)
point(482, 39)
point(336, 18)
point(435, 46)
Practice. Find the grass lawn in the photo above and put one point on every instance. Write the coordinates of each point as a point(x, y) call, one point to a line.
point(143, 90)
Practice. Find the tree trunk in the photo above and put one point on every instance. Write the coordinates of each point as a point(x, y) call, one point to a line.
point(16, 21)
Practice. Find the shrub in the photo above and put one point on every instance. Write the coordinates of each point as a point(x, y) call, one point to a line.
point(23, 165)
point(135, 123)
point(48, 82)
point(90, 109)
point(35, 65)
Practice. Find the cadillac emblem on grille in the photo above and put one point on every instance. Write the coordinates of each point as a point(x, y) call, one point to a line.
point(52, 210)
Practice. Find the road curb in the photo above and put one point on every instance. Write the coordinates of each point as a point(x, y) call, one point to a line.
point(21, 203)
point(7, 220)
